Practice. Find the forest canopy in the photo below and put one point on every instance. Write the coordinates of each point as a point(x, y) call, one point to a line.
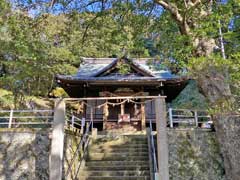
point(42, 38)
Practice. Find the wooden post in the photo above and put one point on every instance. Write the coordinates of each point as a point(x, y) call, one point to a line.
point(162, 142)
point(94, 133)
point(196, 118)
point(10, 119)
point(170, 117)
point(122, 109)
point(105, 116)
point(57, 144)
point(143, 116)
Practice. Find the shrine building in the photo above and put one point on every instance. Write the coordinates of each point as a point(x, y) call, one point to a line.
point(117, 77)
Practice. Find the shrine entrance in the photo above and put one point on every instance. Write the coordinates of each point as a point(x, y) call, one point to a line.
point(109, 113)
point(126, 114)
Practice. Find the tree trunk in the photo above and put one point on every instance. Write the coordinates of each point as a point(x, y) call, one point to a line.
point(212, 81)
point(214, 86)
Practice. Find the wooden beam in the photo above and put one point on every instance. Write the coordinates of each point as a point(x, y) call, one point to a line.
point(57, 143)
point(162, 142)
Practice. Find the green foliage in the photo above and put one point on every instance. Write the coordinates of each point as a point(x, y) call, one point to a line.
point(190, 98)
point(37, 42)
point(58, 92)
point(35, 49)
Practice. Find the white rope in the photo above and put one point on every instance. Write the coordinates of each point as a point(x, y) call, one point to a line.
point(115, 104)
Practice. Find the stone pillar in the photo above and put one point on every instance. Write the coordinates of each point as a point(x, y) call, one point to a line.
point(162, 142)
point(143, 116)
point(57, 144)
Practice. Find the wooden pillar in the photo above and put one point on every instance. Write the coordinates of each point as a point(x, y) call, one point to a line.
point(170, 117)
point(162, 142)
point(105, 116)
point(122, 109)
point(143, 116)
point(57, 144)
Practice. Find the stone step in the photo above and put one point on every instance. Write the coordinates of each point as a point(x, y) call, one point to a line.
point(114, 173)
point(119, 142)
point(119, 154)
point(117, 168)
point(135, 137)
point(120, 157)
point(124, 138)
point(126, 146)
point(117, 158)
point(109, 150)
point(116, 163)
point(114, 178)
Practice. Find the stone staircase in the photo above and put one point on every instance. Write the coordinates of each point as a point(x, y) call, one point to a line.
point(123, 157)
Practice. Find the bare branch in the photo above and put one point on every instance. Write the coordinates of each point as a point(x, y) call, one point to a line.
point(195, 3)
point(172, 9)
point(52, 3)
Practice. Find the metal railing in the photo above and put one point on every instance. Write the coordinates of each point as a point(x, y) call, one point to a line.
point(153, 153)
point(79, 154)
point(74, 123)
point(25, 118)
point(196, 118)
point(77, 124)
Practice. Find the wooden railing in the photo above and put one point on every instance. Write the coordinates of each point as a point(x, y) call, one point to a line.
point(197, 118)
point(25, 118)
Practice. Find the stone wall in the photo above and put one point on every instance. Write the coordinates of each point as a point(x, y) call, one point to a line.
point(228, 133)
point(24, 154)
point(194, 155)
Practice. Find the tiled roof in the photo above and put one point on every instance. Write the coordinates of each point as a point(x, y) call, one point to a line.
point(92, 66)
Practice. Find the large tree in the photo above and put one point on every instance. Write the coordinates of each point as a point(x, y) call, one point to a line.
point(192, 16)
point(184, 32)
point(200, 21)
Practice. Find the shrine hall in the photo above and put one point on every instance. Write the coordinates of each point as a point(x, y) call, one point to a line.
point(121, 77)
